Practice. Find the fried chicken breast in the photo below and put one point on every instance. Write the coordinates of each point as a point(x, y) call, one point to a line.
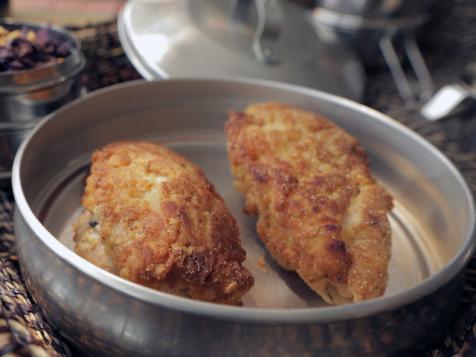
point(320, 212)
point(152, 217)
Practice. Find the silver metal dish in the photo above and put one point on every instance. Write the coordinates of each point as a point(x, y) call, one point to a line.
point(26, 96)
point(265, 39)
point(432, 224)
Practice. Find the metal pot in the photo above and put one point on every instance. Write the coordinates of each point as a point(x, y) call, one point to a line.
point(378, 9)
point(27, 96)
point(102, 314)
point(383, 32)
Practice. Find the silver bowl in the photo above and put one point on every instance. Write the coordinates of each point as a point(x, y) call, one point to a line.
point(27, 96)
point(102, 314)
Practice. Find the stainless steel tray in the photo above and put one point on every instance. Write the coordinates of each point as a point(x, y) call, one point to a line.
point(432, 226)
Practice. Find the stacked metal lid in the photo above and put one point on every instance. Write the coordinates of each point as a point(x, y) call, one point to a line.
point(267, 39)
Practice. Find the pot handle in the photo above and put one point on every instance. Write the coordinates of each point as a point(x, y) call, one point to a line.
point(268, 30)
point(412, 95)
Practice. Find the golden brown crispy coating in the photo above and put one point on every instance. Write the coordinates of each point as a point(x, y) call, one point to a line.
point(152, 217)
point(320, 212)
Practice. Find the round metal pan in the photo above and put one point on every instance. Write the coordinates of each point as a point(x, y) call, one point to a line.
point(432, 231)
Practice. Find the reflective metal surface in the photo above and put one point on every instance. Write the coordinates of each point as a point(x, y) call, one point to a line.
point(383, 31)
point(378, 9)
point(268, 30)
point(270, 39)
point(432, 229)
point(27, 96)
point(453, 98)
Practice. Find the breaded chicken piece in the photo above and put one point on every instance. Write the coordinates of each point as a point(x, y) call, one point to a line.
point(152, 217)
point(320, 212)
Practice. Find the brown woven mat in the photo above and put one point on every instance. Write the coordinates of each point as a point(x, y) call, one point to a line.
point(23, 329)
point(448, 42)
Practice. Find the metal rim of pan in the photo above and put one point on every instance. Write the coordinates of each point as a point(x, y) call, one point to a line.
point(231, 313)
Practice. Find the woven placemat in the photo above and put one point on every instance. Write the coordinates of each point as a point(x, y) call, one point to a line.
point(448, 42)
point(24, 331)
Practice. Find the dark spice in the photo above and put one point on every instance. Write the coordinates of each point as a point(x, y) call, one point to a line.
point(26, 49)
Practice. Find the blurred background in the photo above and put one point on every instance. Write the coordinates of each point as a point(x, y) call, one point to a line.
point(404, 38)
